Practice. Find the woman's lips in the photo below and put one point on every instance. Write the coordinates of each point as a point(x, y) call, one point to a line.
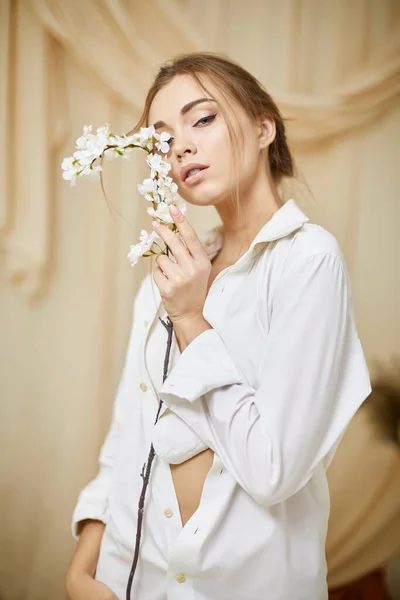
point(196, 177)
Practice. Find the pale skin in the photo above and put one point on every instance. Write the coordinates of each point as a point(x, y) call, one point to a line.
point(184, 285)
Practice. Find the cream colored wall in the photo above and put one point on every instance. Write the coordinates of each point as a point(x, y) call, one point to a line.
point(66, 288)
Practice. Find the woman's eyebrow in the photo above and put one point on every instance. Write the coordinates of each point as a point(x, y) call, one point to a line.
point(185, 109)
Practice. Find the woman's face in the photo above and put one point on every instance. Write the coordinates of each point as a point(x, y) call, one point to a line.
point(200, 136)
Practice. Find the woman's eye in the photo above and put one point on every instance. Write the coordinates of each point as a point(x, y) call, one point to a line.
point(203, 121)
point(206, 120)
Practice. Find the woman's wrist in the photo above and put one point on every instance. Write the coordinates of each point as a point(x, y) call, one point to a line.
point(186, 330)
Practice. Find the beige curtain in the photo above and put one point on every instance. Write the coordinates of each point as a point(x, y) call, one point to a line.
point(66, 288)
point(364, 525)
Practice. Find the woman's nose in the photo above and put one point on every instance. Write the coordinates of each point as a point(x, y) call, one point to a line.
point(184, 147)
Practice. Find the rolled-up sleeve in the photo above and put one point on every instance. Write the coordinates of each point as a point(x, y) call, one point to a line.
point(313, 379)
point(92, 502)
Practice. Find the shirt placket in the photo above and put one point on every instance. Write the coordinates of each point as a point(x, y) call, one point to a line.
point(161, 484)
point(146, 384)
point(184, 565)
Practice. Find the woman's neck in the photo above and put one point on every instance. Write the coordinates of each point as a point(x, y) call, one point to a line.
point(239, 231)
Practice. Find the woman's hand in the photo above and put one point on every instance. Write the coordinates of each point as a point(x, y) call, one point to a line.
point(182, 285)
point(85, 587)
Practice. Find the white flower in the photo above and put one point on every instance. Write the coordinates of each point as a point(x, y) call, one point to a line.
point(148, 189)
point(83, 140)
point(122, 141)
point(157, 165)
point(103, 130)
point(159, 188)
point(87, 130)
point(168, 181)
point(70, 176)
point(145, 244)
point(84, 157)
point(73, 168)
point(162, 145)
point(93, 173)
point(145, 137)
point(146, 133)
point(70, 167)
point(162, 212)
point(138, 139)
point(68, 163)
point(91, 146)
point(167, 190)
point(145, 236)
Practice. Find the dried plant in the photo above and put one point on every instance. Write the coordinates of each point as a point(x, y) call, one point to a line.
point(384, 401)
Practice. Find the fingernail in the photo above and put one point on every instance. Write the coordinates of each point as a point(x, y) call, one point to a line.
point(174, 210)
point(156, 224)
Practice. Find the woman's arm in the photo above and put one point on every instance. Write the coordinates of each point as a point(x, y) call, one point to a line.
point(79, 580)
point(84, 559)
point(313, 379)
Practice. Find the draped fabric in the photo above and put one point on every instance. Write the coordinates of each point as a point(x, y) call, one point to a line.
point(66, 288)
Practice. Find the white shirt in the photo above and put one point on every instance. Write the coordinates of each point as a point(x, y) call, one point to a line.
point(270, 389)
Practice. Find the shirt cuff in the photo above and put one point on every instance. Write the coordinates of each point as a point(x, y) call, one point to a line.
point(87, 511)
point(204, 365)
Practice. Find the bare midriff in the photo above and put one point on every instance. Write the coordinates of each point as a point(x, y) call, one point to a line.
point(189, 478)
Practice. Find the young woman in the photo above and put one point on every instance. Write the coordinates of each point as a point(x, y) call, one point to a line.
point(265, 372)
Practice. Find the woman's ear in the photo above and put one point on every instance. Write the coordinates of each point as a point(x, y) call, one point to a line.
point(266, 131)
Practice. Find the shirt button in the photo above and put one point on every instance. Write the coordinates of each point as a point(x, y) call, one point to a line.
point(180, 577)
point(168, 513)
point(146, 323)
point(143, 387)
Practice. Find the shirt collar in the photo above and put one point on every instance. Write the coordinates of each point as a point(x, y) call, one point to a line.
point(287, 219)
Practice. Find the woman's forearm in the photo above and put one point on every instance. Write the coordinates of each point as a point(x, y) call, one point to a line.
point(85, 557)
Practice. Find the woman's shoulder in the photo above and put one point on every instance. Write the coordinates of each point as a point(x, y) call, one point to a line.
point(310, 247)
point(312, 240)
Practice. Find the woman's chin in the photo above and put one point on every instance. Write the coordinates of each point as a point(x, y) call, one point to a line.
point(203, 196)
